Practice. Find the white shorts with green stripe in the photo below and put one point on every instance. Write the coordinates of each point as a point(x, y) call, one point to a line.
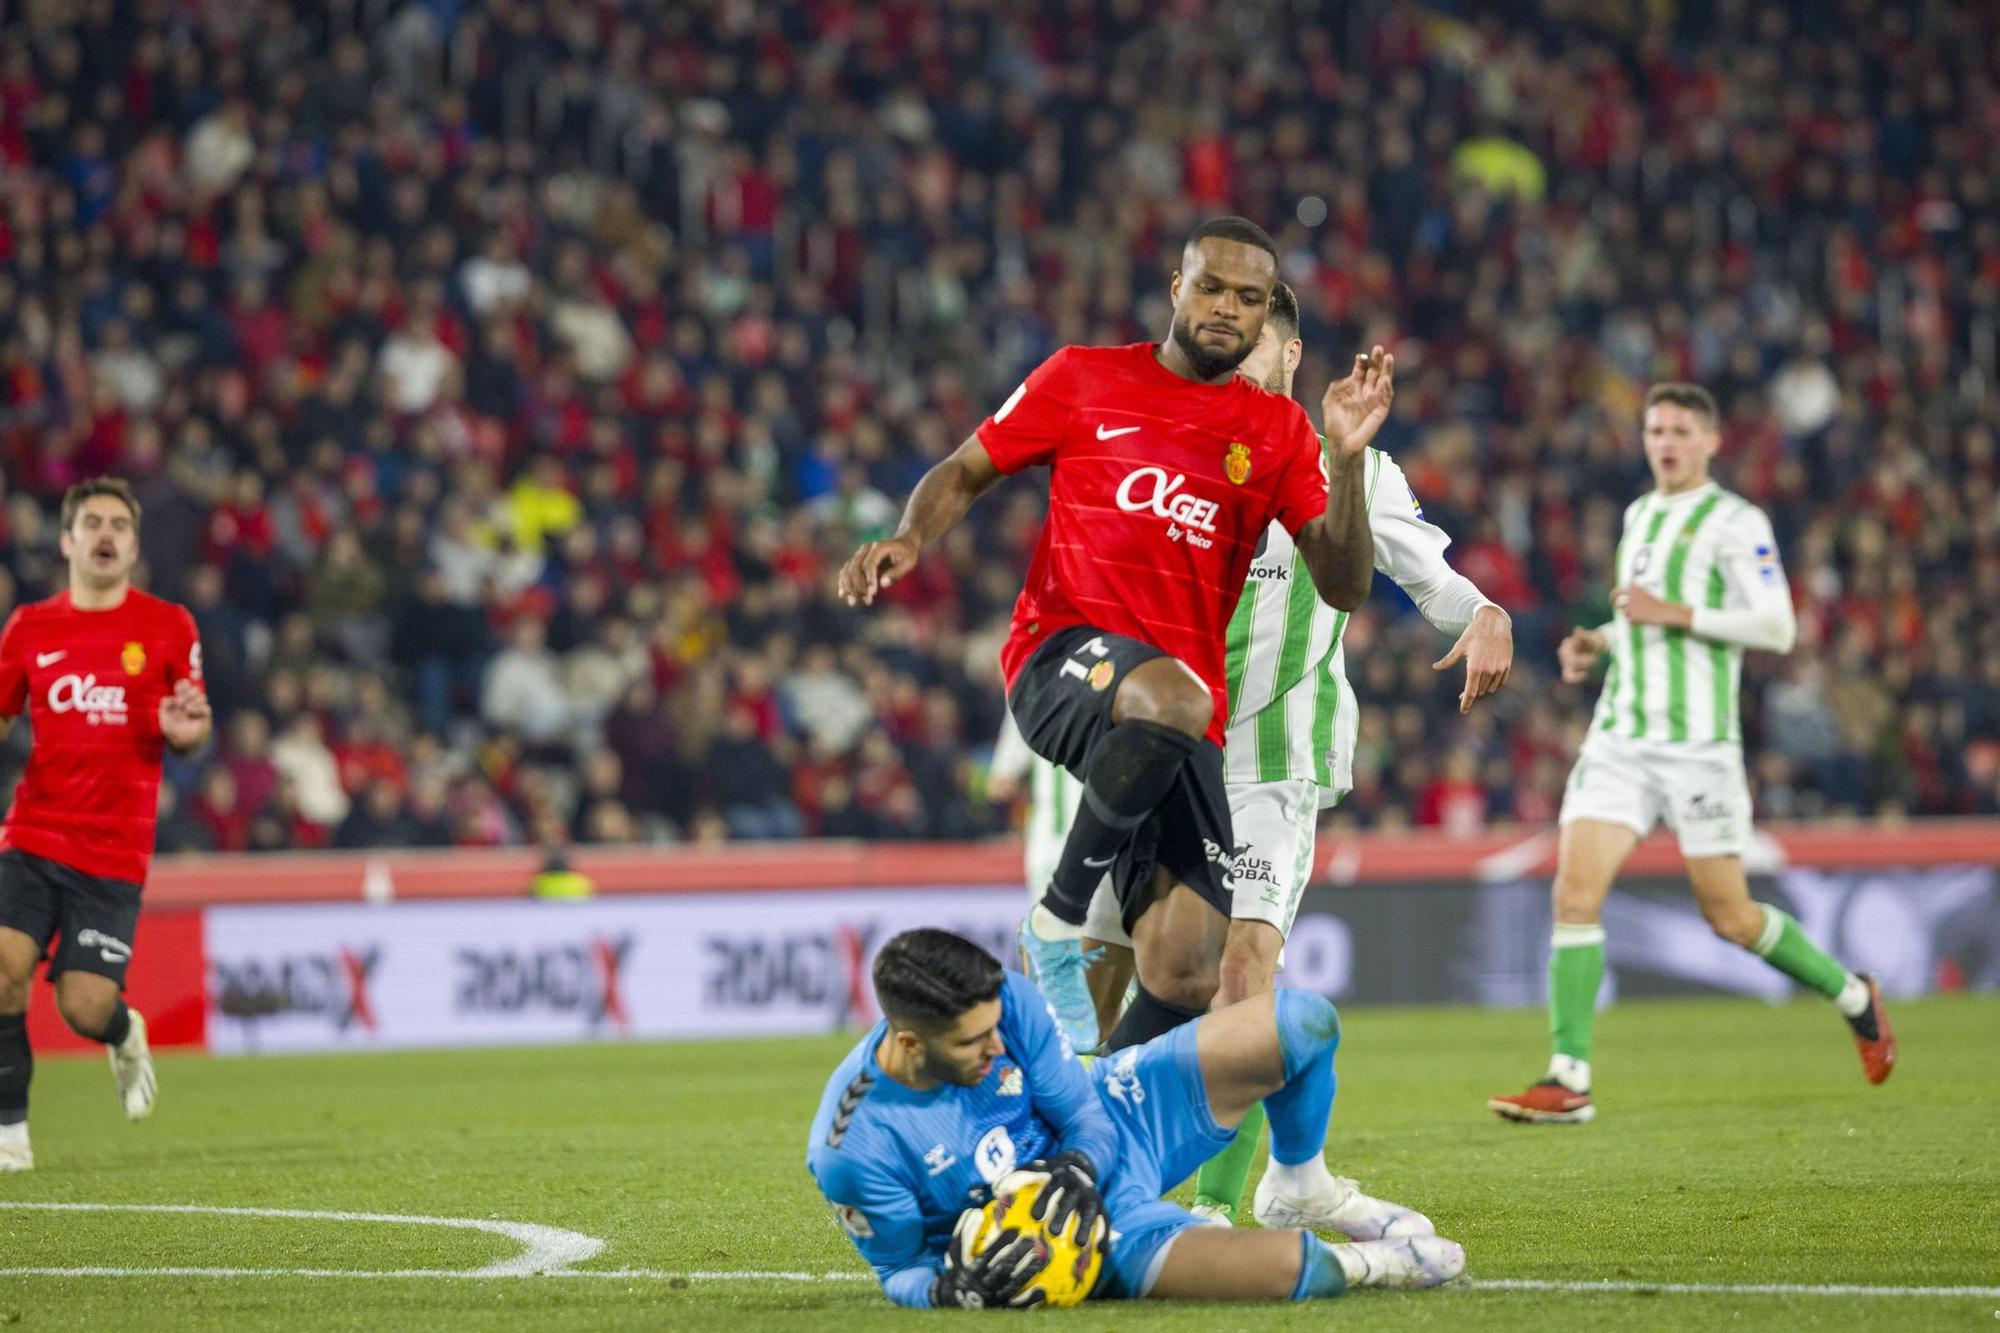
point(1698, 788)
point(1275, 825)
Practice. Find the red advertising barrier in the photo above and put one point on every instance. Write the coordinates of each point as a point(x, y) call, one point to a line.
point(1410, 855)
point(165, 983)
point(188, 897)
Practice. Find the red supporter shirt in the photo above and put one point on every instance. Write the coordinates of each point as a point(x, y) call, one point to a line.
point(1159, 491)
point(92, 682)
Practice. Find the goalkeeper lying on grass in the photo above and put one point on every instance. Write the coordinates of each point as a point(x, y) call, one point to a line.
point(967, 1078)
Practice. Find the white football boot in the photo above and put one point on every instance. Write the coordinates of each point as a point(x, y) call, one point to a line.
point(1413, 1261)
point(15, 1154)
point(132, 1066)
point(1337, 1204)
point(1213, 1215)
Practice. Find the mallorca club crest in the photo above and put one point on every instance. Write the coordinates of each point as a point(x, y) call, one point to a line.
point(133, 658)
point(1100, 675)
point(1236, 466)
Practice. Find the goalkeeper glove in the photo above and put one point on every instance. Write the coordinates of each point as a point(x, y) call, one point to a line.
point(992, 1279)
point(1070, 1193)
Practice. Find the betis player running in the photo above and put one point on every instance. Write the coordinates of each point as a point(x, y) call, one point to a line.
point(1698, 582)
point(110, 676)
point(1166, 467)
point(1290, 754)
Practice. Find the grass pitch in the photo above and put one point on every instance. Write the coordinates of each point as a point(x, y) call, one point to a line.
point(1737, 1144)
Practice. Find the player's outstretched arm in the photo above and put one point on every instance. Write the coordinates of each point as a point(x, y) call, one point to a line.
point(1336, 547)
point(936, 505)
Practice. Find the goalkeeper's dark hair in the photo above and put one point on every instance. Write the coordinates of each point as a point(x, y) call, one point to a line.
point(1283, 312)
point(1241, 230)
point(924, 979)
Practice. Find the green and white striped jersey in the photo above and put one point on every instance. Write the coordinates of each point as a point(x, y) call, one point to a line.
point(1713, 550)
point(1292, 715)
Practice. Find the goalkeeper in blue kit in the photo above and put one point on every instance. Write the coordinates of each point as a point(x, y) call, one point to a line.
point(967, 1079)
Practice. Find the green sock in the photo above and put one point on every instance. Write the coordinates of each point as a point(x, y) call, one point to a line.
point(1576, 969)
point(1220, 1182)
point(1784, 946)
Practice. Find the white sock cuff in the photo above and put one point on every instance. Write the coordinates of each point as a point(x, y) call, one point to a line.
point(1576, 937)
point(1774, 926)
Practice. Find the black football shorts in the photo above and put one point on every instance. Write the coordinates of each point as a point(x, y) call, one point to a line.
point(94, 917)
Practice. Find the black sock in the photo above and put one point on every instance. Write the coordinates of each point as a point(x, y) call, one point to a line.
point(116, 1030)
point(17, 1066)
point(1132, 767)
point(1147, 1017)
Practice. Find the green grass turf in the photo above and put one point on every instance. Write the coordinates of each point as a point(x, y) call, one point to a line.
point(1737, 1144)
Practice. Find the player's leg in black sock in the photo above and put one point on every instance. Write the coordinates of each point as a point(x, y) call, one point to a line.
point(1147, 1017)
point(1131, 769)
point(115, 1029)
point(17, 1067)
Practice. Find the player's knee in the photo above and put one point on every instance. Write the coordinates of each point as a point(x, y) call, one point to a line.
point(14, 993)
point(87, 1015)
point(1308, 1028)
point(1168, 698)
point(1246, 971)
point(1578, 901)
point(1184, 980)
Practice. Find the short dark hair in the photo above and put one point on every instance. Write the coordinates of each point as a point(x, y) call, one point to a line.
point(1283, 312)
point(1691, 396)
point(1241, 230)
point(924, 979)
point(115, 487)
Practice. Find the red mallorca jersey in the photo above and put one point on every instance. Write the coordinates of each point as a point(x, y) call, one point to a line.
point(1159, 490)
point(92, 682)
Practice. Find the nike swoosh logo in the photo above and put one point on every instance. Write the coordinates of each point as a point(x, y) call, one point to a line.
point(1099, 865)
point(49, 659)
point(1104, 433)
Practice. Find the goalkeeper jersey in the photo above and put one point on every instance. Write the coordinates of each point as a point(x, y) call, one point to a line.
point(1706, 548)
point(899, 1165)
point(1292, 715)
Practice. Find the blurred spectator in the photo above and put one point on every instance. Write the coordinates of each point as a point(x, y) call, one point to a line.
point(523, 691)
point(417, 331)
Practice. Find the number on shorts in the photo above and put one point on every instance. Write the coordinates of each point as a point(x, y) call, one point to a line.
point(1073, 664)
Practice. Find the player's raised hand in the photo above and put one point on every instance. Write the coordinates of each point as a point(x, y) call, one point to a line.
point(993, 1278)
point(185, 716)
point(1579, 652)
point(1487, 649)
point(874, 567)
point(1353, 409)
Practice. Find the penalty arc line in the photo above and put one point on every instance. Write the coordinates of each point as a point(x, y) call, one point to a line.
point(544, 1249)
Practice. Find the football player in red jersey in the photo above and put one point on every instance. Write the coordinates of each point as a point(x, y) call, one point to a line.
point(1165, 469)
point(111, 676)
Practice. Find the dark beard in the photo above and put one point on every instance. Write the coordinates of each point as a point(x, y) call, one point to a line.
point(1209, 365)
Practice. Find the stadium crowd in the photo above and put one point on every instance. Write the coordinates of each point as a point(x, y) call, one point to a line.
point(504, 381)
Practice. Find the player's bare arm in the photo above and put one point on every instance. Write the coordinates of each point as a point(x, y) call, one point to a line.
point(1578, 653)
point(936, 505)
point(1487, 649)
point(1336, 547)
point(185, 718)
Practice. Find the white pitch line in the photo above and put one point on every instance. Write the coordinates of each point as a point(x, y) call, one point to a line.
point(1732, 1288)
point(544, 1249)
